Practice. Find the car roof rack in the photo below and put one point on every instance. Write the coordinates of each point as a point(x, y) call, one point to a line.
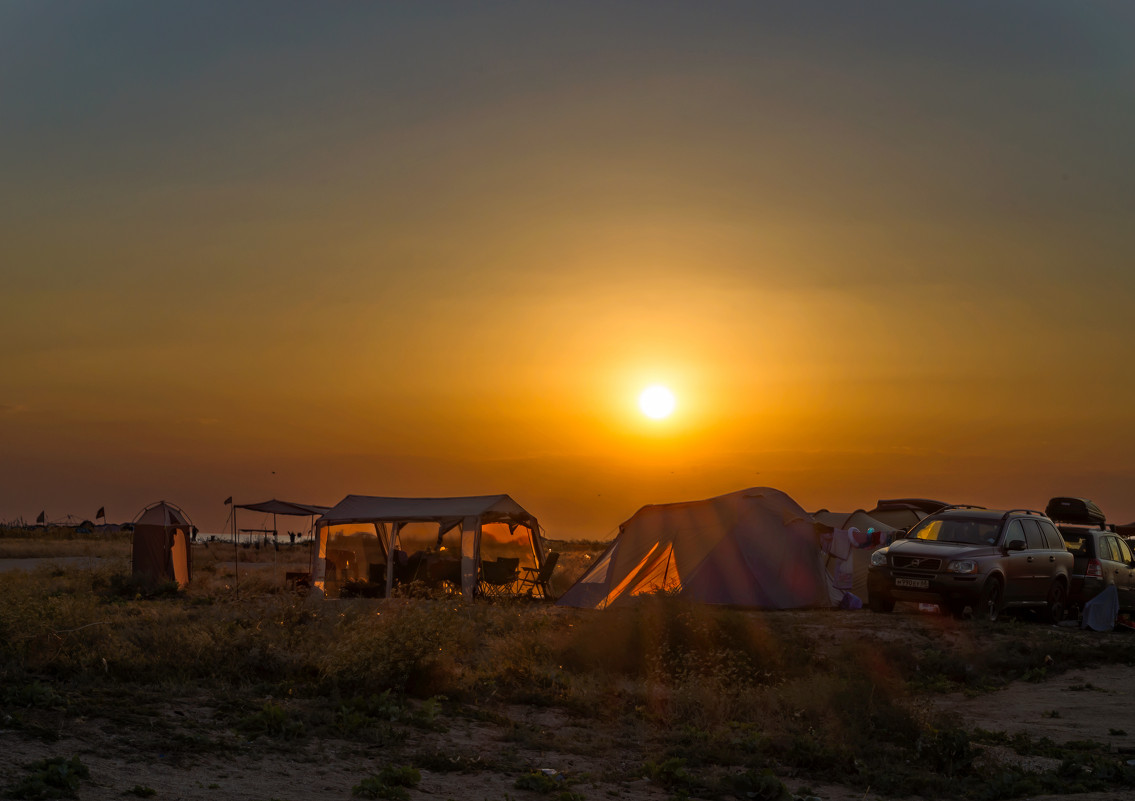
point(961, 506)
point(1022, 511)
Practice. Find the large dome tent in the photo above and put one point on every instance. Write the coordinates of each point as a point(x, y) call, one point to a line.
point(754, 548)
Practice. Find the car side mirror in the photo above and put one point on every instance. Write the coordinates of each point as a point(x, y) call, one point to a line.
point(1015, 545)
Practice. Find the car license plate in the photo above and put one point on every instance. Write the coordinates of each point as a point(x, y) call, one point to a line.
point(915, 584)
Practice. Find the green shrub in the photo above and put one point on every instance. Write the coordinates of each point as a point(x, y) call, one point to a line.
point(50, 778)
point(671, 774)
point(394, 651)
point(947, 751)
point(390, 783)
point(140, 586)
point(538, 782)
point(271, 720)
point(760, 785)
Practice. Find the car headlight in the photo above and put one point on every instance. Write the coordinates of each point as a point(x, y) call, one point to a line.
point(962, 566)
point(879, 557)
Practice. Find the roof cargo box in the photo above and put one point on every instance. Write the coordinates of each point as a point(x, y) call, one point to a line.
point(1075, 510)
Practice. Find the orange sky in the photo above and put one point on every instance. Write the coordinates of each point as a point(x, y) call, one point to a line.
point(439, 250)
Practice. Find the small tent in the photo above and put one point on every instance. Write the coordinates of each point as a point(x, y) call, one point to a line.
point(859, 556)
point(754, 548)
point(161, 543)
point(356, 537)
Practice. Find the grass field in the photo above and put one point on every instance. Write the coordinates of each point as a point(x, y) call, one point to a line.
point(681, 700)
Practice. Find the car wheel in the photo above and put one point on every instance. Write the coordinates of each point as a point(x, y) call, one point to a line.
point(989, 605)
point(878, 603)
point(1054, 606)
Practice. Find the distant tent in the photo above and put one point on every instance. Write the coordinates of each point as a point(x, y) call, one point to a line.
point(754, 548)
point(860, 557)
point(161, 543)
point(904, 512)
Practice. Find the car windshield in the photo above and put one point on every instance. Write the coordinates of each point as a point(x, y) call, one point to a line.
point(970, 532)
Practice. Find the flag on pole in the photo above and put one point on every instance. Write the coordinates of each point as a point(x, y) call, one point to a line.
point(101, 513)
point(40, 518)
point(228, 500)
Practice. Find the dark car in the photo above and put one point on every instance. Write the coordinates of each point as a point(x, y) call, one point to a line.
point(1102, 558)
point(981, 559)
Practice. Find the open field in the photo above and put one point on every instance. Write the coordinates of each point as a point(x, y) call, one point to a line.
point(241, 690)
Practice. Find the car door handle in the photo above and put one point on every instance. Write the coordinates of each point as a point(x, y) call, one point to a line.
point(1028, 559)
point(1052, 558)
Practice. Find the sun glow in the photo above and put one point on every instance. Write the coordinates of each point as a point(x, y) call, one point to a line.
point(657, 402)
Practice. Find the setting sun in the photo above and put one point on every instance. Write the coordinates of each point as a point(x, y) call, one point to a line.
point(656, 402)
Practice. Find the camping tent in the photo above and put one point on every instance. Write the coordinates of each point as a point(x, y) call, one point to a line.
point(904, 512)
point(755, 548)
point(356, 536)
point(860, 557)
point(161, 543)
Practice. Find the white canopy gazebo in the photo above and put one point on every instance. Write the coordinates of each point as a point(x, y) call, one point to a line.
point(357, 536)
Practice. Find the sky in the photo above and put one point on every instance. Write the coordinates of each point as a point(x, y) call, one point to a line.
point(303, 250)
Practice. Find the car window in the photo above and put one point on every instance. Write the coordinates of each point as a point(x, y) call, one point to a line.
point(1033, 536)
point(1108, 549)
point(1051, 535)
point(1124, 551)
point(969, 532)
point(1014, 532)
point(1116, 551)
point(1075, 540)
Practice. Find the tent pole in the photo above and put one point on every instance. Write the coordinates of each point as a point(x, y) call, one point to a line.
point(395, 533)
point(236, 556)
point(275, 551)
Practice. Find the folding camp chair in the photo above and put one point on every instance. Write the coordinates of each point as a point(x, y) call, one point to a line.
point(537, 579)
point(498, 578)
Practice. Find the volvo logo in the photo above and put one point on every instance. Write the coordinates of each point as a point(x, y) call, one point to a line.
point(914, 563)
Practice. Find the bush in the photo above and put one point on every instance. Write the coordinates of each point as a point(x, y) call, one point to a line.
point(390, 783)
point(50, 778)
point(139, 586)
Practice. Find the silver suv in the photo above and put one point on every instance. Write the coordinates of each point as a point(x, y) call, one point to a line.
point(981, 559)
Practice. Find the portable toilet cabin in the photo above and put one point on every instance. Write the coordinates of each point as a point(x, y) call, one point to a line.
point(161, 543)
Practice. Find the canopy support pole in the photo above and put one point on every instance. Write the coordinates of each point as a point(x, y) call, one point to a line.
point(470, 547)
point(395, 542)
point(236, 556)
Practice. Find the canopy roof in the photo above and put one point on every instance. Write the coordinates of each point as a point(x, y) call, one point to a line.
point(373, 509)
point(275, 507)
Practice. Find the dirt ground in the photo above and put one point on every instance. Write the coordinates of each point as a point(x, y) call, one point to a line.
point(1083, 704)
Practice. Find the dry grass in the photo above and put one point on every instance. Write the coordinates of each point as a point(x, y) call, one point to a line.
point(713, 689)
point(13, 548)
